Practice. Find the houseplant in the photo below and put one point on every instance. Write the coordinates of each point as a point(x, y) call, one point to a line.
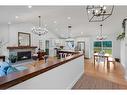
point(124, 25)
point(12, 58)
point(121, 36)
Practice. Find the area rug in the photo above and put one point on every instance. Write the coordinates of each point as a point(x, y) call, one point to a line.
point(91, 82)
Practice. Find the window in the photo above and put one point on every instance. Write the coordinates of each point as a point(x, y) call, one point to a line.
point(70, 44)
point(103, 45)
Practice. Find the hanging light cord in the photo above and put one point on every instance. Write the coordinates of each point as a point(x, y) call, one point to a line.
point(101, 29)
point(39, 21)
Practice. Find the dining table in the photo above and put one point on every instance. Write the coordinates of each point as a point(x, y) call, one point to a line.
point(98, 55)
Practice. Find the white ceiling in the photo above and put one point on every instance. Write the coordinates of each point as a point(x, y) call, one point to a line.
point(49, 14)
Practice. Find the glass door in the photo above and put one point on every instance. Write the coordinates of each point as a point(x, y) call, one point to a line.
point(105, 46)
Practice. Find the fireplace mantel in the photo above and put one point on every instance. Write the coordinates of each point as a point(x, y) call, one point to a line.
point(21, 47)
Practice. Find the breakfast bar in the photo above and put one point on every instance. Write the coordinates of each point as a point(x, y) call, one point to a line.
point(55, 74)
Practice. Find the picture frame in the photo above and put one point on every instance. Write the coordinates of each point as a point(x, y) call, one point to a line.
point(24, 39)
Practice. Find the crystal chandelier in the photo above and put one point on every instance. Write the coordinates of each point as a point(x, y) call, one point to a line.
point(99, 13)
point(69, 31)
point(39, 30)
point(101, 37)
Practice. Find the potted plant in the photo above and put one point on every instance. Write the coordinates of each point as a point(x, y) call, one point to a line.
point(121, 36)
point(124, 25)
point(12, 58)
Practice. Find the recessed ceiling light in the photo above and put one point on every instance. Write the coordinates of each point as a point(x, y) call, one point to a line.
point(9, 22)
point(104, 8)
point(55, 22)
point(29, 6)
point(69, 18)
point(45, 25)
point(81, 33)
point(88, 11)
point(16, 16)
point(96, 11)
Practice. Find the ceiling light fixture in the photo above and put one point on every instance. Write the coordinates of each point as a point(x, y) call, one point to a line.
point(40, 30)
point(99, 13)
point(16, 16)
point(101, 37)
point(81, 33)
point(29, 6)
point(68, 18)
point(55, 22)
point(9, 22)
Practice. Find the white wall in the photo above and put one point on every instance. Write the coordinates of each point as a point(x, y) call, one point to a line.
point(10, 35)
point(123, 53)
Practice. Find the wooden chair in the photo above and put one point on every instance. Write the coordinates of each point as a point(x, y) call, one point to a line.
point(110, 59)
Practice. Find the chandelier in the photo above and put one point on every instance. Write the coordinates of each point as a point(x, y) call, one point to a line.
point(69, 37)
point(39, 30)
point(69, 31)
point(99, 13)
point(101, 37)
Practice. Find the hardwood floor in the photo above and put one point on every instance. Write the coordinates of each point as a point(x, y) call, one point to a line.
point(114, 74)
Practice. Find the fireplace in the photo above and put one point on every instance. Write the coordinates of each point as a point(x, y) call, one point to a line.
point(24, 55)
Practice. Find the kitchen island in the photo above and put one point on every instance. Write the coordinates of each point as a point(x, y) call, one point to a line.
point(55, 74)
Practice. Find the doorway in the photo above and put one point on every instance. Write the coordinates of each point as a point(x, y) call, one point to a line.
point(81, 46)
point(47, 47)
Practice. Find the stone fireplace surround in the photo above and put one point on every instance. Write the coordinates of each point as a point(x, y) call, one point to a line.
point(22, 53)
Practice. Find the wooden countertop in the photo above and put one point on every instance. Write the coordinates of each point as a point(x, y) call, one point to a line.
point(68, 51)
point(32, 71)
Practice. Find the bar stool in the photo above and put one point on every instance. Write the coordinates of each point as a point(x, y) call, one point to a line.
point(61, 55)
point(65, 55)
